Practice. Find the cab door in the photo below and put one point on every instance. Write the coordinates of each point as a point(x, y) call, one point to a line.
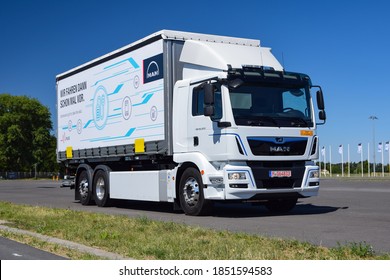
point(204, 134)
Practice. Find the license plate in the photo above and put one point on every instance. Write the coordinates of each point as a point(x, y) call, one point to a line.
point(280, 174)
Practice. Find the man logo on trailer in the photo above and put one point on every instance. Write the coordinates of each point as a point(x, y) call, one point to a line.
point(153, 68)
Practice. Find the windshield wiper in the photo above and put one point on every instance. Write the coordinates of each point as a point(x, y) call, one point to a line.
point(296, 121)
point(262, 121)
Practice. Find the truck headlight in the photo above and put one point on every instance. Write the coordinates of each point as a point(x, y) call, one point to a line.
point(314, 174)
point(237, 176)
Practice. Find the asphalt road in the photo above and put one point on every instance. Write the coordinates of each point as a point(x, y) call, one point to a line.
point(345, 211)
point(11, 250)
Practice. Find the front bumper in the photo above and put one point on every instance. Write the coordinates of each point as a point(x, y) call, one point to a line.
point(244, 182)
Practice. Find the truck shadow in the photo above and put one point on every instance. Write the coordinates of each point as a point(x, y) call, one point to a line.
point(227, 210)
point(248, 211)
point(163, 207)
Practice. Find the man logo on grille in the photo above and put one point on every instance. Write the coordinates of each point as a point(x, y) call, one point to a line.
point(279, 149)
point(279, 140)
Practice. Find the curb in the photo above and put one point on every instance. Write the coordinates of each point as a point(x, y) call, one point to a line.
point(65, 243)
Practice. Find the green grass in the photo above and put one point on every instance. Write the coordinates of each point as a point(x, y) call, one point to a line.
point(142, 238)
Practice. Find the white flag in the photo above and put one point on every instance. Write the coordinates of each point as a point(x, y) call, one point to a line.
point(387, 146)
point(360, 148)
point(380, 147)
point(323, 151)
point(340, 149)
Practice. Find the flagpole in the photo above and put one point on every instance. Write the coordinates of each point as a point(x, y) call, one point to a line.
point(373, 118)
point(319, 162)
point(349, 164)
point(361, 158)
point(324, 161)
point(383, 167)
point(323, 154)
point(341, 152)
point(388, 149)
point(368, 159)
point(342, 162)
point(330, 160)
point(320, 157)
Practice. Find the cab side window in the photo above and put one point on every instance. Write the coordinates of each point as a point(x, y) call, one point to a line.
point(198, 103)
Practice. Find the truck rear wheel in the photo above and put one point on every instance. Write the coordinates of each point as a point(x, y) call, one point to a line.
point(83, 187)
point(281, 205)
point(101, 188)
point(191, 195)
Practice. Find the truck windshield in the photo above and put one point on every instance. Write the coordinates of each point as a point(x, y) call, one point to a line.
point(256, 105)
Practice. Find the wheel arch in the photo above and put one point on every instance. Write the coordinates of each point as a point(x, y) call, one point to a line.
point(179, 174)
point(196, 160)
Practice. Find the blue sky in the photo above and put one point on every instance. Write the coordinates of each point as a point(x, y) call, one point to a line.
point(343, 46)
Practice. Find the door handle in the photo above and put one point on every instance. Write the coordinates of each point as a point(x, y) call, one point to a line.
point(196, 141)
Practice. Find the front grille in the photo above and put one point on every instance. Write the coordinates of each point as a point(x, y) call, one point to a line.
point(276, 146)
point(261, 171)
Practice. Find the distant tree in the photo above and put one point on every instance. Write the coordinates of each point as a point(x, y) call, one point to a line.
point(336, 168)
point(25, 138)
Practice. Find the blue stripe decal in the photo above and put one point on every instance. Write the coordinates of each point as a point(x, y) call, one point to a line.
point(115, 115)
point(146, 99)
point(146, 91)
point(130, 132)
point(108, 138)
point(67, 127)
point(131, 60)
point(150, 126)
point(88, 122)
point(273, 139)
point(112, 76)
point(133, 63)
point(118, 88)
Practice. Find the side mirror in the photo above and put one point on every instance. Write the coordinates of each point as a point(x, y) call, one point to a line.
point(320, 100)
point(320, 105)
point(322, 115)
point(209, 94)
point(209, 111)
point(209, 100)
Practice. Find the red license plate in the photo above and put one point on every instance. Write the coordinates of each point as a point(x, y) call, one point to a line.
point(280, 174)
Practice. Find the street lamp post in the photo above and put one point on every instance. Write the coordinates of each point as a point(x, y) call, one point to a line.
point(373, 118)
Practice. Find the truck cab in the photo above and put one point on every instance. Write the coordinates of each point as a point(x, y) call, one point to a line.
point(250, 131)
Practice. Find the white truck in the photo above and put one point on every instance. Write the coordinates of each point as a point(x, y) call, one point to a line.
point(190, 119)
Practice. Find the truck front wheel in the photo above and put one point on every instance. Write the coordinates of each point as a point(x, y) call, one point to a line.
point(191, 195)
point(101, 188)
point(83, 187)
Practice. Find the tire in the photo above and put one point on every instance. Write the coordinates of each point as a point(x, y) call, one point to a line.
point(84, 189)
point(281, 205)
point(101, 188)
point(191, 195)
